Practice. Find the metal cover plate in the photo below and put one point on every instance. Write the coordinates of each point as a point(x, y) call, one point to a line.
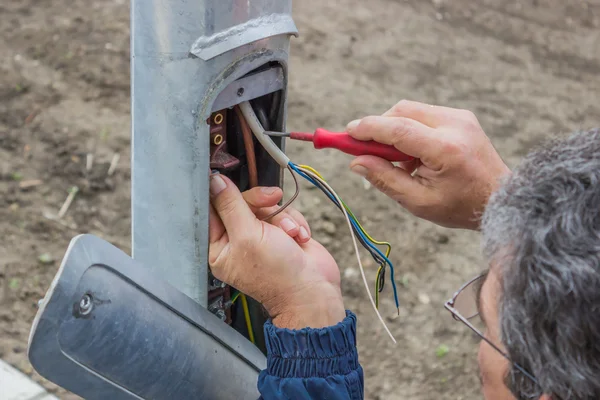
point(134, 336)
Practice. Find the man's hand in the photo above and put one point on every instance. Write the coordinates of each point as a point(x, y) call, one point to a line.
point(456, 167)
point(293, 276)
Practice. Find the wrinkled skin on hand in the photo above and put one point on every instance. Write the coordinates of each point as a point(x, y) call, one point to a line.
point(292, 275)
point(456, 167)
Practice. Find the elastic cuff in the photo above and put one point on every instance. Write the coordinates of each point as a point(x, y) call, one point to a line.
point(312, 352)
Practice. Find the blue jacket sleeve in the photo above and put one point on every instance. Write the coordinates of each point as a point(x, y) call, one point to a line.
point(312, 363)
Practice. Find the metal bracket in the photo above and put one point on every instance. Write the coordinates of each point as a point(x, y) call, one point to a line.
point(208, 47)
point(250, 87)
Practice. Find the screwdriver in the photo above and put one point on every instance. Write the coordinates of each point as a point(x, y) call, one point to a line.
point(324, 139)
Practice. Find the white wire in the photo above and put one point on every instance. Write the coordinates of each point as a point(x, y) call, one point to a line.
point(258, 130)
point(362, 270)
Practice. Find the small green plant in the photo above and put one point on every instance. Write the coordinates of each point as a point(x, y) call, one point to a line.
point(104, 134)
point(45, 258)
point(404, 281)
point(16, 176)
point(441, 350)
point(14, 283)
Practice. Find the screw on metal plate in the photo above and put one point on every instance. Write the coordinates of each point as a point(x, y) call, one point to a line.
point(86, 304)
point(240, 92)
point(221, 314)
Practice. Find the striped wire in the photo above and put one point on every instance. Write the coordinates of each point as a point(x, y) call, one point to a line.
point(366, 240)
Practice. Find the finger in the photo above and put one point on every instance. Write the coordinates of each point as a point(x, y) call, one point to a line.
point(304, 234)
point(290, 221)
point(393, 181)
point(216, 229)
point(430, 115)
point(260, 197)
point(410, 166)
point(218, 237)
point(286, 223)
point(231, 207)
point(407, 135)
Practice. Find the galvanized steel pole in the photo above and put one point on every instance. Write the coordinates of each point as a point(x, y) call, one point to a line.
point(184, 54)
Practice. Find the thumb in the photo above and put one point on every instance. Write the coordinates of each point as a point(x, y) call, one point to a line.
point(393, 181)
point(230, 206)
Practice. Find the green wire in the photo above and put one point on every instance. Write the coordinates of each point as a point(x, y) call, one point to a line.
point(235, 297)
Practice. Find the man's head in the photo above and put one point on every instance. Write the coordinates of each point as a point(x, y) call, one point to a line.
point(541, 299)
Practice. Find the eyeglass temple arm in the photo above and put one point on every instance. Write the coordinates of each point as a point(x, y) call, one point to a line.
point(449, 305)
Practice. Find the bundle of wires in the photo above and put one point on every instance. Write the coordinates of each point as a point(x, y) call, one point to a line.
point(356, 229)
point(370, 244)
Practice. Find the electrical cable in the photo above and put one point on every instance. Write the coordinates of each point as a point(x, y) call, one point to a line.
point(253, 182)
point(270, 147)
point(379, 283)
point(247, 317)
point(275, 152)
point(235, 297)
point(262, 116)
point(379, 257)
point(357, 231)
point(362, 271)
point(274, 111)
point(380, 278)
point(287, 203)
point(249, 146)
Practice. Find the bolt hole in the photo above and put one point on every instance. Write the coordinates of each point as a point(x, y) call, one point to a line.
point(218, 139)
point(240, 92)
point(218, 119)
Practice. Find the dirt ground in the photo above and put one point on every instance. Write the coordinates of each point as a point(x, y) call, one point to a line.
point(527, 68)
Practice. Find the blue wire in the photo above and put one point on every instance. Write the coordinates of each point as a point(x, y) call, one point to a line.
point(355, 225)
point(387, 260)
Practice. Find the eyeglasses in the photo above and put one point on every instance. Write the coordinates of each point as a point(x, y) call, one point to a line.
point(464, 307)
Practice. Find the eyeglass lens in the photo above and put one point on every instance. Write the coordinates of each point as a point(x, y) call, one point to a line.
point(466, 303)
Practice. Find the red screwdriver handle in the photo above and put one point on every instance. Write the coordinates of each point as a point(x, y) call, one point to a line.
point(342, 141)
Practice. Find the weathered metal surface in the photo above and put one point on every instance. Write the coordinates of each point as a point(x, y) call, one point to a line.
point(262, 27)
point(250, 87)
point(173, 92)
point(109, 329)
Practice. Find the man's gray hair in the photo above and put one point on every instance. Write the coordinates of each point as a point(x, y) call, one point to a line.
point(542, 230)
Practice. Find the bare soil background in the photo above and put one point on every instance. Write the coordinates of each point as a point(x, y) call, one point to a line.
point(529, 69)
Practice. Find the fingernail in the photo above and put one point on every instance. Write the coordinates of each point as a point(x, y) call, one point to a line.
point(352, 125)
point(268, 190)
point(303, 235)
point(287, 224)
point(360, 170)
point(217, 185)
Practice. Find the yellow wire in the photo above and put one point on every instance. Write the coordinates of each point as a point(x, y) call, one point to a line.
point(387, 244)
point(377, 286)
point(247, 316)
point(364, 232)
point(311, 169)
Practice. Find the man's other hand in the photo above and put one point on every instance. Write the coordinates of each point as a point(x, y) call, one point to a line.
point(275, 262)
point(455, 170)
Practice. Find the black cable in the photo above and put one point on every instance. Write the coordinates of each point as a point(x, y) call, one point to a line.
point(262, 116)
point(273, 112)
